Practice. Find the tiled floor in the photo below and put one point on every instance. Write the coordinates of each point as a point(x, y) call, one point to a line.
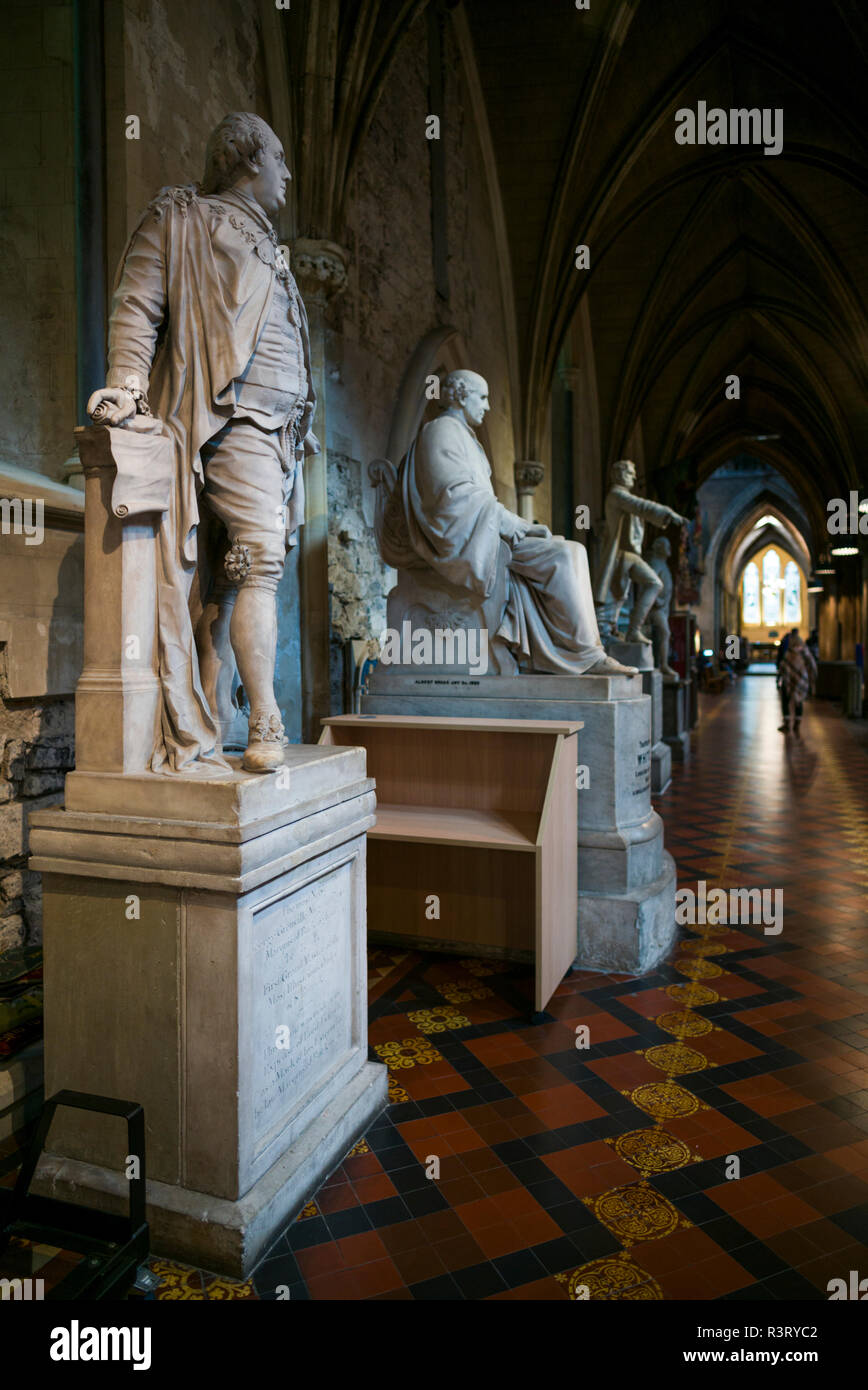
point(611, 1166)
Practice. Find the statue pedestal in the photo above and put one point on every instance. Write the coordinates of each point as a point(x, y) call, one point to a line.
point(205, 956)
point(637, 654)
point(626, 896)
point(676, 714)
point(661, 753)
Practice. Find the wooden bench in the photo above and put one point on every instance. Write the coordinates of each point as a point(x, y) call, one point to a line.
point(474, 849)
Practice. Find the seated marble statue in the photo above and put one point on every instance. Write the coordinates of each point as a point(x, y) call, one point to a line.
point(441, 521)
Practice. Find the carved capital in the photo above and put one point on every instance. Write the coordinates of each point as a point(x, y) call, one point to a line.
point(320, 267)
point(528, 476)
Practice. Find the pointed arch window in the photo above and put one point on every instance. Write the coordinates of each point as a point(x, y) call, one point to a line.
point(792, 594)
point(750, 596)
point(771, 588)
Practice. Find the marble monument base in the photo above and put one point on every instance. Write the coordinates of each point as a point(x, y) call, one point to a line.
point(637, 654)
point(661, 753)
point(626, 898)
point(676, 714)
point(204, 949)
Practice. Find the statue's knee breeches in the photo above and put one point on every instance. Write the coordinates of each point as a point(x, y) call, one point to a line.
point(245, 487)
point(261, 564)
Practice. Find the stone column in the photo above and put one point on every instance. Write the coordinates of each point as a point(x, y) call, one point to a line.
point(528, 476)
point(587, 476)
point(118, 693)
point(320, 267)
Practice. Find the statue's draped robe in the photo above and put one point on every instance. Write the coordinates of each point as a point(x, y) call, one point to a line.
point(453, 523)
point(195, 287)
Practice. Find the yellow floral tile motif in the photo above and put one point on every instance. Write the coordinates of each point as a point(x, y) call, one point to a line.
point(409, 1053)
point(665, 1100)
point(177, 1282)
point(440, 1020)
point(701, 947)
point(360, 1147)
point(708, 928)
point(699, 969)
point(220, 1288)
point(693, 995)
point(309, 1209)
point(636, 1213)
point(684, 1024)
point(484, 967)
point(675, 1058)
point(611, 1279)
point(397, 1094)
point(652, 1151)
point(459, 991)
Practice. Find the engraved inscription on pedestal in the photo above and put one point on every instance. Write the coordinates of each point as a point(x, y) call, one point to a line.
point(302, 983)
point(643, 767)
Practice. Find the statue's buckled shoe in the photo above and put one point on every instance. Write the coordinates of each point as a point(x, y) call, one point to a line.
point(266, 744)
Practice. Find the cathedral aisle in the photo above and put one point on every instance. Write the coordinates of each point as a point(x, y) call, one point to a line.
point(607, 1165)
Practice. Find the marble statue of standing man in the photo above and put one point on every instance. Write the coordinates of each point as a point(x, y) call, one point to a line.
point(451, 521)
point(659, 615)
point(209, 332)
point(622, 561)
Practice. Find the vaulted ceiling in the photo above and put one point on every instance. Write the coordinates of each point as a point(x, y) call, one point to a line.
point(705, 261)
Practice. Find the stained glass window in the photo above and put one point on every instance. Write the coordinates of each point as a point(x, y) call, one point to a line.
point(771, 591)
point(750, 599)
point(792, 594)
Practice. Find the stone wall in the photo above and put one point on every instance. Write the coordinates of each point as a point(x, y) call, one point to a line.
point(36, 751)
point(179, 68)
point(37, 235)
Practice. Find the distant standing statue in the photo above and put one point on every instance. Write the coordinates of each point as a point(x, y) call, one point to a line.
point(622, 561)
point(659, 616)
point(441, 525)
point(209, 332)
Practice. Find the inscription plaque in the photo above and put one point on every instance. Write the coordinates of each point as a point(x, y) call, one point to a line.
point(642, 775)
point(302, 992)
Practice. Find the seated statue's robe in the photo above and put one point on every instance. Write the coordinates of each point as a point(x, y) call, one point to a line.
point(453, 523)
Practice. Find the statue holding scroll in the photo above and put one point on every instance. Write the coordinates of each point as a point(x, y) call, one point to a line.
point(622, 562)
point(209, 333)
point(470, 559)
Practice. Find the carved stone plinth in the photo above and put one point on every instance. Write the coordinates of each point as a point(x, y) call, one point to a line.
point(661, 754)
point(637, 654)
point(676, 718)
point(205, 955)
point(117, 698)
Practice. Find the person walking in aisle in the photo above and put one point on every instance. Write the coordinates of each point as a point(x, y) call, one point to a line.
point(798, 676)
